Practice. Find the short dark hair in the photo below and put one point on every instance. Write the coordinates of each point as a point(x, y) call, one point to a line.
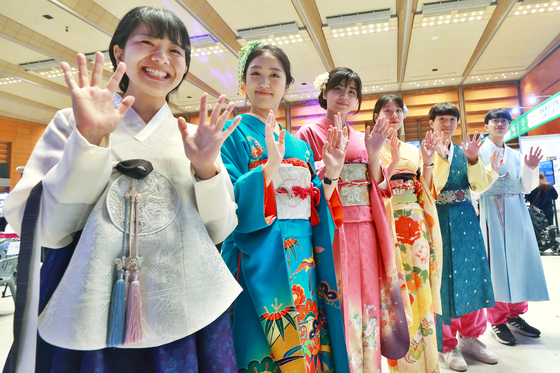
point(336, 77)
point(444, 108)
point(497, 113)
point(160, 23)
point(384, 100)
point(277, 53)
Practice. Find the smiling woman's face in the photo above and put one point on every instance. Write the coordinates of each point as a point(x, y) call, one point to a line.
point(265, 82)
point(393, 113)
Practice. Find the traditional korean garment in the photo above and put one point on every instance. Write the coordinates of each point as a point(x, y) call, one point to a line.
point(288, 317)
point(515, 262)
point(185, 286)
point(374, 317)
point(412, 215)
point(466, 285)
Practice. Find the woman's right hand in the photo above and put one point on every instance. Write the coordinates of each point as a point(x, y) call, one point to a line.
point(275, 149)
point(93, 106)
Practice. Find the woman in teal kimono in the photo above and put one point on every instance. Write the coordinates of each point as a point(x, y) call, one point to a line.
point(288, 316)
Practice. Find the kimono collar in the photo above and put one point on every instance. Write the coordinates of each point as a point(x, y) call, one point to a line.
point(257, 124)
point(135, 126)
point(324, 123)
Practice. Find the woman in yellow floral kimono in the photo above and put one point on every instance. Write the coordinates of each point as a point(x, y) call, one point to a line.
point(413, 217)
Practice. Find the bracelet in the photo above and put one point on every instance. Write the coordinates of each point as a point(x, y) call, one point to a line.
point(329, 181)
point(430, 166)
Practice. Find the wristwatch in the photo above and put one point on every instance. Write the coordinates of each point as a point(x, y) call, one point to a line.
point(329, 181)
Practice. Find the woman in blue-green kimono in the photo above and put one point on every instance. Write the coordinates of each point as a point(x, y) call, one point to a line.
point(288, 316)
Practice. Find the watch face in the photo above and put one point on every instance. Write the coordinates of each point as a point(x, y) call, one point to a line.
point(327, 181)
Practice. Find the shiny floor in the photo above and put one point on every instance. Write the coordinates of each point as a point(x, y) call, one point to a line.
point(540, 355)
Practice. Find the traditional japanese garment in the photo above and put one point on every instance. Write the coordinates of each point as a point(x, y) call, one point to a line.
point(288, 317)
point(466, 285)
point(185, 286)
point(413, 217)
point(374, 318)
point(515, 262)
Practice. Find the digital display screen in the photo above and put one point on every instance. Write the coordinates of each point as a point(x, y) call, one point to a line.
point(547, 168)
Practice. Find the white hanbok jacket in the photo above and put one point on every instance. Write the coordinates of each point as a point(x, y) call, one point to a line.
point(185, 284)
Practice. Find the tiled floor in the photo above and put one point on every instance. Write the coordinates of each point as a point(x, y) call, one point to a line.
point(541, 355)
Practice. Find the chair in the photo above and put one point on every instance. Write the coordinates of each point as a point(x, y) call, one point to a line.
point(7, 271)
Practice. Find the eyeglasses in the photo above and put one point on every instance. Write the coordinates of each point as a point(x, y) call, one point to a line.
point(503, 122)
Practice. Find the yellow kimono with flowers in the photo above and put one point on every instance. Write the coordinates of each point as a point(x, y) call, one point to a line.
point(413, 217)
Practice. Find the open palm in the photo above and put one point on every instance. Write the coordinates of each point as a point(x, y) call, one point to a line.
point(93, 109)
point(202, 147)
point(334, 152)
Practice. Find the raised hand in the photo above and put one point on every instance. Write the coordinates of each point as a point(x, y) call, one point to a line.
point(275, 149)
point(93, 106)
point(341, 127)
point(428, 147)
point(375, 138)
point(334, 152)
point(395, 148)
point(203, 146)
point(443, 148)
point(494, 162)
point(532, 160)
point(471, 148)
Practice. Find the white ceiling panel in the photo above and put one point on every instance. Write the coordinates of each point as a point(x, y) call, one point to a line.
point(80, 37)
point(447, 48)
point(38, 94)
point(242, 14)
point(519, 41)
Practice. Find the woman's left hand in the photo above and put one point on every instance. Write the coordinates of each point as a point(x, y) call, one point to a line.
point(429, 146)
point(532, 160)
point(334, 152)
point(375, 138)
point(203, 146)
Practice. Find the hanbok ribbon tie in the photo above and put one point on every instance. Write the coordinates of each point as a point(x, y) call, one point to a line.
point(303, 193)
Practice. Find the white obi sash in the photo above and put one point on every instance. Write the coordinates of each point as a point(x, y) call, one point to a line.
point(294, 192)
point(353, 185)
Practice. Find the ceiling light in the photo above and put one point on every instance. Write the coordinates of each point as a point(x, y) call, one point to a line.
point(370, 30)
point(355, 28)
point(516, 13)
point(524, 12)
point(439, 23)
point(440, 17)
point(454, 20)
point(423, 24)
point(447, 21)
point(386, 28)
point(264, 31)
point(371, 16)
point(448, 16)
point(479, 17)
point(431, 23)
point(533, 11)
point(462, 20)
point(542, 10)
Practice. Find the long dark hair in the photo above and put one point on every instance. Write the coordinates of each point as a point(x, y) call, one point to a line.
point(336, 77)
point(277, 53)
point(160, 23)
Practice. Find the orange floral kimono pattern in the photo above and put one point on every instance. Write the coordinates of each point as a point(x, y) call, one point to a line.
point(413, 217)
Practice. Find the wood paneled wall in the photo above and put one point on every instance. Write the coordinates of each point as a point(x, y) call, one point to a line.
point(23, 136)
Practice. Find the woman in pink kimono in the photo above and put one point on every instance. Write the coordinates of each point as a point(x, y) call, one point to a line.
point(373, 312)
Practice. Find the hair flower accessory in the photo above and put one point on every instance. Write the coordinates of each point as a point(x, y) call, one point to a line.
point(321, 81)
point(243, 54)
point(405, 110)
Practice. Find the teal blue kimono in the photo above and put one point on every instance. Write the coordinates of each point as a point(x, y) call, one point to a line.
point(288, 317)
point(466, 285)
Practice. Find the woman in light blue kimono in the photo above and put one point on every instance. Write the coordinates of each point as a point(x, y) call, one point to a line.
point(515, 263)
point(288, 316)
